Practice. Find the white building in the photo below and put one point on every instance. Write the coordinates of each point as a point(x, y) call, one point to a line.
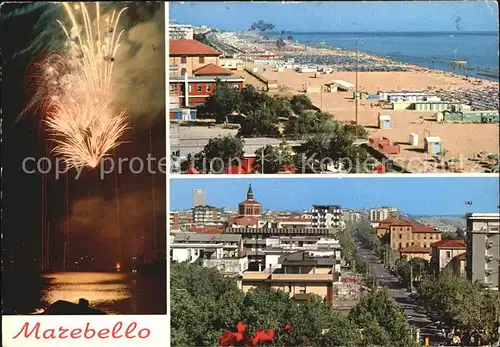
point(483, 248)
point(383, 213)
point(206, 215)
point(275, 247)
point(180, 31)
point(190, 247)
point(327, 216)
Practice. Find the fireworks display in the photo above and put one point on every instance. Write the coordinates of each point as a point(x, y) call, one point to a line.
point(76, 88)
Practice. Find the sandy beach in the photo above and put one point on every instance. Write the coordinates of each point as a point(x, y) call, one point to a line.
point(460, 140)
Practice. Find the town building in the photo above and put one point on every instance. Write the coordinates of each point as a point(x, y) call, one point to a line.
point(299, 274)
point(250, 207)
point(180, 31)
point(408, 238)
point(327, 216)
point(382, 213)
point(206, 215)
point(199, 197)
point(194, 70)
point(174, 222)
point(314, 245)
point(444, 251)
point(351, 216)
point(483, 248)
point(189, 246)
point(224, 252)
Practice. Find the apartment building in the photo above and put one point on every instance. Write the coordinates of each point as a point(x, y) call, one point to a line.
point(174, 222)
point(180, 31)
point(327, 216)
point(199, 197)
point(444, 251)
point(206, 215)
point(483, 248)
point(351, 216)
point(383, 213)
point(190, 246)
point(194, 70)
point(408, 238)
point(299, 274)
point(315, 246)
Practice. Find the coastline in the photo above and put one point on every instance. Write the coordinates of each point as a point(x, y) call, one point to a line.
point(324, 49)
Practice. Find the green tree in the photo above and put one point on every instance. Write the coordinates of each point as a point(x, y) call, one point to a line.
point(315, 324)
point(282, 106)
point(222, 151)
point(203, 303)
point(252, 98)
point(382, 319)
point(301, 103)
point(351, 129)
point(273, 158)
point(310, 122)
point(225, 100)
point(260, 121)
point(457, 302)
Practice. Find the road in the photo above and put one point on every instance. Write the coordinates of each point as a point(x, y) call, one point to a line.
point(401, 295)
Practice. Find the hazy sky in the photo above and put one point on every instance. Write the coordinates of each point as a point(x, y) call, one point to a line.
point(416, 195)
point(342, 16)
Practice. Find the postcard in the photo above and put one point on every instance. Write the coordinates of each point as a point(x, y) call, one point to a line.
point(329, 87)
point(83, 221)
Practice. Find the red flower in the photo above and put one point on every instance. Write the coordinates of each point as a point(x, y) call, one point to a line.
point(227, 339)
point(263, 336)
point(288, 327)
point(240, 327)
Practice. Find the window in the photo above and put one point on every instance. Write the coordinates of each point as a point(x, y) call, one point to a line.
point(208, 87)
point(400, 245)
point(448, 254)
point(199, 87)
point(183, 71)
point(400, 236)
point(183, 59)
point(201, 59)
point(302, 290)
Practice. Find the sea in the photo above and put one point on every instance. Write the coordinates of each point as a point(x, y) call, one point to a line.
point(110, 292)
point(433, 50)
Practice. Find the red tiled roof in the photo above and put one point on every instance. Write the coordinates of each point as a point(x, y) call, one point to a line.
point(190, 47)
point(449, 244)
point(417, 228)
point(394, 222)
point(415, 249)
point(246, 221)
point(205, 230)
point(211, 70)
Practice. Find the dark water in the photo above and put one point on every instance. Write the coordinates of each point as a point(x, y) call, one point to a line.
point(431, 50)
point(113, 293)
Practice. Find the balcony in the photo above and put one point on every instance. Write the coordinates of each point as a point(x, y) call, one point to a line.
point(488, 258)
point(489, 243)
point(488, 271)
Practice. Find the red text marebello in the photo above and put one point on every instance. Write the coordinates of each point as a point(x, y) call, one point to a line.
point(118, 331)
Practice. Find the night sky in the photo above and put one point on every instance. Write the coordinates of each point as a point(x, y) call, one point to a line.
point(92, 202)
